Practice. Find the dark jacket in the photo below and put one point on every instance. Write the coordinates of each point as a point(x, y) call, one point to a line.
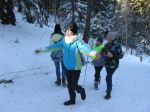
point(116, 50)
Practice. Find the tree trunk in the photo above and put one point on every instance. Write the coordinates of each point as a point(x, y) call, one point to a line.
point(1, 10)
point(7, 14)
point(73, 10)
point(88, 19)
point(19, 6)
point(56, 12)
point(28, 12)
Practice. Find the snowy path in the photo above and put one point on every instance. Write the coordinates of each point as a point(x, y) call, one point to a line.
point(34, 91)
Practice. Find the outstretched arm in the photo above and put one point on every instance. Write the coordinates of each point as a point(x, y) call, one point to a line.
point(87, 50)
point(54, 47)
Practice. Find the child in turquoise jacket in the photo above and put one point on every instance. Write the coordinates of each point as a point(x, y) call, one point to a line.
point(72, 45)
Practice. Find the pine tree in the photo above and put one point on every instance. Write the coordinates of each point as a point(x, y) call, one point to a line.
point(68, 15)
point(19, 6)
point(7, 14)
point(103, 18)
point(88, 20)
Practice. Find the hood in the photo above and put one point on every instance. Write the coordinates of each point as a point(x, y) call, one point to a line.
point(71, 39)
point(111, 36)
point(56, 37)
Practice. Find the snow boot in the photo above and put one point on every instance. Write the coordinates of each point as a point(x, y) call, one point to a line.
point(69, 102)
point(72, 99)
point(96, 85)
point(58, 82)
point(83, 94)
point(108, 96)
point(64, 83)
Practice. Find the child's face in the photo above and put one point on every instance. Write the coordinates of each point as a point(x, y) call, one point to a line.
point(69, 33)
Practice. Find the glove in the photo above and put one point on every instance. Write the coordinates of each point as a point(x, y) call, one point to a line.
point(105, 42)
point(37, 51)
point(109, 54)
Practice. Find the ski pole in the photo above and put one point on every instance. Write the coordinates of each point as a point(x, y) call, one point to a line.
point(85, 72)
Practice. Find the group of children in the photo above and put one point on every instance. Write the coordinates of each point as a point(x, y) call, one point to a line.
point(67, 51)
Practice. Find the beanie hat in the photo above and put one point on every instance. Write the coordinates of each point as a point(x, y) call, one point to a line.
point(57, 28)
point(73, 27)
point(111, 36)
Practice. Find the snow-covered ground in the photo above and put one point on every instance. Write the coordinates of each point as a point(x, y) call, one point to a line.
point(33, 75)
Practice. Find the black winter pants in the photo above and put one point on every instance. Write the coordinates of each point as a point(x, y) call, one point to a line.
point(97, 72)
point(110, 72)
point(72, 80)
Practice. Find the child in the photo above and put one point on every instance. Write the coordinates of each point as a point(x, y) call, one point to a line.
point(57, 56)
point(71, 46)
point(113, 52)
point(98, 64)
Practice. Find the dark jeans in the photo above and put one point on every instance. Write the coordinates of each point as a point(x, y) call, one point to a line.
point(97, 72)
point(58, 74)
point(72, 80)
point(110, 72)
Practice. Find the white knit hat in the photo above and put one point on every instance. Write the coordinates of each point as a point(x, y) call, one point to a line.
point(111, 36)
